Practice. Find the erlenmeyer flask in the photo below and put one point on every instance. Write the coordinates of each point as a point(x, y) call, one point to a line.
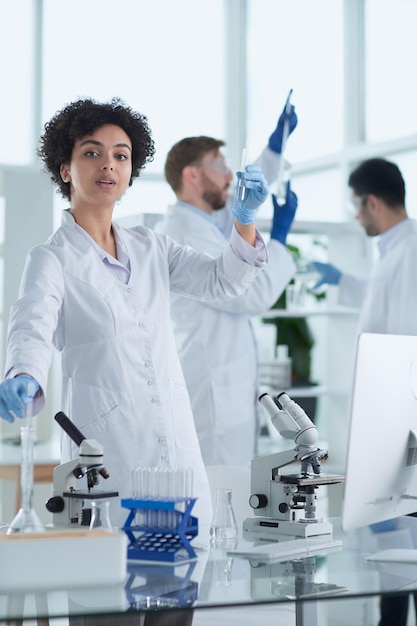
point(223, 525)
point(100, 515)
point(26, 520)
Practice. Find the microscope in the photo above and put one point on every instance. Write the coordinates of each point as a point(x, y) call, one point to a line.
point(68, 504)
point(286, 503)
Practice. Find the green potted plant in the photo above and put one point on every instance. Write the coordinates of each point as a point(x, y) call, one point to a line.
point(295, 332)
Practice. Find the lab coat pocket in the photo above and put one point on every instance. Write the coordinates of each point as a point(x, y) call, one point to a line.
point(233, 394)
point(97, 410)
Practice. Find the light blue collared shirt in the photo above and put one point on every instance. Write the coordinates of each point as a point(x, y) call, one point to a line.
point(386, 237)
point(120, 267)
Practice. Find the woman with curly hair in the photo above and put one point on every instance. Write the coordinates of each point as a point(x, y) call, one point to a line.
point(100, 295)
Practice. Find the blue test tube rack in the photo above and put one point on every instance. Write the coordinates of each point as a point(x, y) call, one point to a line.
point(165, 543)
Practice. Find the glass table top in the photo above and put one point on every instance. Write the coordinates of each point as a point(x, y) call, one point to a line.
point(217, 579)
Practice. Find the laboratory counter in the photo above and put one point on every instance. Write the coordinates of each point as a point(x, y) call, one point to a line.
point(338, 588)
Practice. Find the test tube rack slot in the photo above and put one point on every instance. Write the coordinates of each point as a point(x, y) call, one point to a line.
point(159, 530)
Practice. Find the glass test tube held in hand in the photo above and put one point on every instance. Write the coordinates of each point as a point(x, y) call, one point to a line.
point(26, 520)
point(243, 163)
point(283, 175)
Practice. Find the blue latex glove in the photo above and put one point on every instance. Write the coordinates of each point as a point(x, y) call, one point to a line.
point(275, 140)
point(255, 194)
point(283, 215)
point(330, 275)
point(15, 393)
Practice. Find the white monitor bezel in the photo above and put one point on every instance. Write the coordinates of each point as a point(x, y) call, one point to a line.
point(379, 485)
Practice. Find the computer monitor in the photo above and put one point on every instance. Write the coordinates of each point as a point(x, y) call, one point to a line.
point(381, 465)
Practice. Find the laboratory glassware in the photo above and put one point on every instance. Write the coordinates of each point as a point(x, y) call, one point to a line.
point(243, 163)
point(223, 525)
point(26, 520)
point(283, 171)
point(100, 515)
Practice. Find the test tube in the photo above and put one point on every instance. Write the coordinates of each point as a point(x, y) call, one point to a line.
point(282, 179)
point(243, 162)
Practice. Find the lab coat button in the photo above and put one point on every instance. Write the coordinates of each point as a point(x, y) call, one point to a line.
point(129, 289)
point(149, 382)
point(146, 364)
point(160, 440)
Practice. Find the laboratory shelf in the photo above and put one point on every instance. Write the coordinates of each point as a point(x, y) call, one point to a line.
point(308, 312)
point(297, 392)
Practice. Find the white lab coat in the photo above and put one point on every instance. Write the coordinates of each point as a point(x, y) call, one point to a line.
point(216, 342)
point(122, 380)
point(388, 300)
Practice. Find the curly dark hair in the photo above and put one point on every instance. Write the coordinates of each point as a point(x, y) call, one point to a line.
point(83, 117)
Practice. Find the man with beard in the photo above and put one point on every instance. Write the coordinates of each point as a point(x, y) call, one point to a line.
point(216, 342)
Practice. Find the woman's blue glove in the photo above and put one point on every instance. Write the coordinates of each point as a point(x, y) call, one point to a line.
point(275, 140)
point(256, 192)
point(330, 275)
point(283, 215)
point(15, 393)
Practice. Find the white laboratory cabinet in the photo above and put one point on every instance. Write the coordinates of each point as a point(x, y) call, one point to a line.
point(334, 329)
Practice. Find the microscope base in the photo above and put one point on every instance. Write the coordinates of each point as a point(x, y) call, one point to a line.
point(268, 527)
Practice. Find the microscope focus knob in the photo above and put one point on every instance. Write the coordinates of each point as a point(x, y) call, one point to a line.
point(258, 500)
point(56, 504)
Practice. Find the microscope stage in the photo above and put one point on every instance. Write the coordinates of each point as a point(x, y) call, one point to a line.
point(303, 481)
point(90, 495)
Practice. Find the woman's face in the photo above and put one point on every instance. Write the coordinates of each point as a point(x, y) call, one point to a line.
point(100, 168)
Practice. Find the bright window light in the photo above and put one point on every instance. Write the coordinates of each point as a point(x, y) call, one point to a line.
point(163, 58)
point(290, 45)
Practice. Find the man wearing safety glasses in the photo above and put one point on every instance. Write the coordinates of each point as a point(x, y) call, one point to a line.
point(388, 299)
point(216, 343)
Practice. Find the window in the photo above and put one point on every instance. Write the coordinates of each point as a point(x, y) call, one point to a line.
point(298, 45)
point(391, 48)
point(17, 78)
point(164, 59)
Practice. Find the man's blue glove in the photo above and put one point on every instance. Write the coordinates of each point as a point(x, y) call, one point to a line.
point(330, 275)
point(275, 140)
point(255, 193)
point(15, 393)
point(283, 215)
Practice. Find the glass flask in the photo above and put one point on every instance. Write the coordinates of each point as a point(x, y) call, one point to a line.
point(26, 520)
point(100, 515)
point(223, 525)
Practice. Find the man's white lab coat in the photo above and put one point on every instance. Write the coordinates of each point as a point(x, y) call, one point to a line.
point(216, 342)
point(122, 380)
point(388, 299)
